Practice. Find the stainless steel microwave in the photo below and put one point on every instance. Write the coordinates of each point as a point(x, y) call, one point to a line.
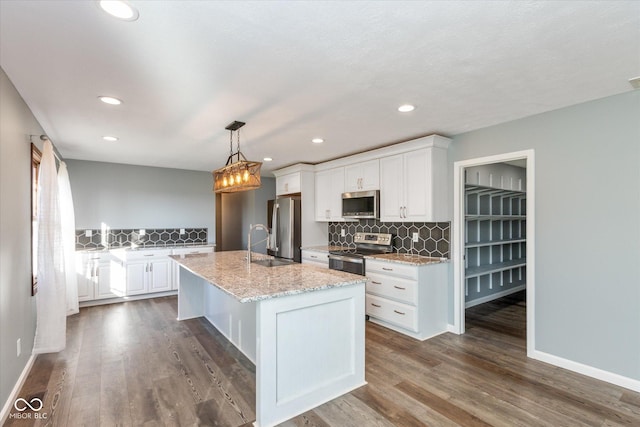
point(361, 204)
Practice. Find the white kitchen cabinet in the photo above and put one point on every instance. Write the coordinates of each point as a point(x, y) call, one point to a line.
point(100, 276)
point(410, 299)
point(329, 189)
point(288, 184)
point(413, 186)
point(364, 176)
point(148, 271)
point(317, 258)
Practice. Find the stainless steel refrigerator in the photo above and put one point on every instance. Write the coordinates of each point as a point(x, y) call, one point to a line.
point(283, 220)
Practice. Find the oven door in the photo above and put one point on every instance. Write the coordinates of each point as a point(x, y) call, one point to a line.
point(348, 264)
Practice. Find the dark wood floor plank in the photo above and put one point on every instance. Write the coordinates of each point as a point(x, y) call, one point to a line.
point(134, 364)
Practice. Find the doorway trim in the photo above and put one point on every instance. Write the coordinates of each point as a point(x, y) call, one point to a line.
point(459, 238)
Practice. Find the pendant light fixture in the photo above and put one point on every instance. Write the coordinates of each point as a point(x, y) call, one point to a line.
point(241, 175)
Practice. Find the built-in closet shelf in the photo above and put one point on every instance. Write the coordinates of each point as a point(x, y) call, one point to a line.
point(495, 217)
point(492, 242)
point(490, 191)
point(495, 250)
point(494, 268)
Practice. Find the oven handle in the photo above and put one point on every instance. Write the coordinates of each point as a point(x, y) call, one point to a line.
point(346, 259)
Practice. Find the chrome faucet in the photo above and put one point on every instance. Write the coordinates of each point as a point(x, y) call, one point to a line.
point(249, 245)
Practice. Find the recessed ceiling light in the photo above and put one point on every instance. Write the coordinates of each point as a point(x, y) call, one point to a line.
point(110, 100)
point(267, 159)
point(120, 9)
point(317, 140)
point(110, 138)
point(406, 108)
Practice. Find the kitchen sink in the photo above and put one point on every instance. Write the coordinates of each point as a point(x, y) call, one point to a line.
point(274, 262)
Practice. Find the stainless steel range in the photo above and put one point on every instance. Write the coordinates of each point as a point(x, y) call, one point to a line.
point(352, 259)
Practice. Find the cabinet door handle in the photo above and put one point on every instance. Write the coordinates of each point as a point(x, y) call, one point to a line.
point(375, 305)
point(97, 272)
point(150, 267)
point(398, 287)
point(387, 269)
point(146, 268)
point(376, 283)
point(399, 312)
point(400, 209)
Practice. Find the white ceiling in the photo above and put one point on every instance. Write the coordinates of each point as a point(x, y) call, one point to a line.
point(298, 70)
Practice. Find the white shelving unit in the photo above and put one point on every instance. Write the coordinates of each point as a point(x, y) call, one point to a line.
point(495, 247)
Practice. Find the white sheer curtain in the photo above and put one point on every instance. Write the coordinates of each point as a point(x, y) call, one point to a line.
point(68, 222)
point(51, 299)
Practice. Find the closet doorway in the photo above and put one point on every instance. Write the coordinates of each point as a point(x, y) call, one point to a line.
point(493, 234)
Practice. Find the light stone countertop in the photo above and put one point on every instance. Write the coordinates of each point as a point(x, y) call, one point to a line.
point(407, 259)
point(229, 272)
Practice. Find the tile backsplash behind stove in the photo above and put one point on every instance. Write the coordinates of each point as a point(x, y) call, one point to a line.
point(433, 236)
point(152, 238)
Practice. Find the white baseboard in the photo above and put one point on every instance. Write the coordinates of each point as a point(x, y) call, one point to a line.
point(497, 295)
point(124, 299)
point(451, 328)
point(6, 409)
point(587, 370)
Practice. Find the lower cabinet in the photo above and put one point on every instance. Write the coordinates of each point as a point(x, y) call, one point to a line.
point(410, 299)
point(317, 258)
point(121, 272)
point(100, 275)
point(149, 271)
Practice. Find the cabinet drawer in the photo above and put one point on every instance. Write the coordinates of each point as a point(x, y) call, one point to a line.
point(193, 250)
point(147, 254)
point(391, 268)
point(315, 257)
point(399, 314)
point(393, 287)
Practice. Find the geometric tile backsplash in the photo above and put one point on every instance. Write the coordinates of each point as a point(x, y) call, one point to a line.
point(153, 237)
point(433, 236)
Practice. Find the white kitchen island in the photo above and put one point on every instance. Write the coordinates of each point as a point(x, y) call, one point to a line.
point(302, 326)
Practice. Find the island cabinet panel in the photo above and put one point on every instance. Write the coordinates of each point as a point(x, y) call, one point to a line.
point(310, 350)
point(410, 299)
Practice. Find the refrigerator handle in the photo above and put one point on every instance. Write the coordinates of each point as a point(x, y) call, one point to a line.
point(274, 228)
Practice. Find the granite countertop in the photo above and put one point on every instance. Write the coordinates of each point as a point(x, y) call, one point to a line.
point(407, 259)
point(229, 272)
point(322, 248)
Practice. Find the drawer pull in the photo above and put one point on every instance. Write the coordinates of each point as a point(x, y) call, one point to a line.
point(375, 305)
point(376, 283)
point(387, 269)
point(312, 256)
point(398, 312)
point(148, 254)
point(398, 287)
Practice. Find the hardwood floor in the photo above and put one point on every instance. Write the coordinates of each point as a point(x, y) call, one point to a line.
point(133, 364)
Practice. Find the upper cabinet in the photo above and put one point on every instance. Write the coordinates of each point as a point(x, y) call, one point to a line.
point(413, 185)
point(329, 189)
point(288, 184)
point(362, 176)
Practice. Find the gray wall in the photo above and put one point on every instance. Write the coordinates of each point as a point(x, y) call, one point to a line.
point(240, 210)
point(126, 196)
point(254, 211)
point(17, 307)
point(587, 185)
